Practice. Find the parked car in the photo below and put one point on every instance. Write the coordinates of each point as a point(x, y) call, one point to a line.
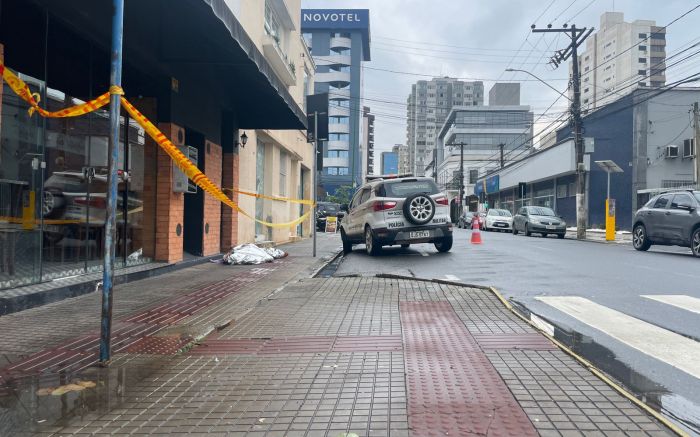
point(498, 220)
point(326, 209)
point(400, 211)
point(669, 219)
point(69, 198)
point(467, 219)
point(539, 220)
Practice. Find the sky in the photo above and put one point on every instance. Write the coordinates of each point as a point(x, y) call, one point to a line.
point(477, 39)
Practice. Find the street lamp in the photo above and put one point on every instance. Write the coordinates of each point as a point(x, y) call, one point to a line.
point(550, 86)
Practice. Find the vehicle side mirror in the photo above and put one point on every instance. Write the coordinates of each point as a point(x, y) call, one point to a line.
point(344, 207)
point(686, 207)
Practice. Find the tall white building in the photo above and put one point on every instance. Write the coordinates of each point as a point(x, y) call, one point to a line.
point(619, 58)
point(428, 106)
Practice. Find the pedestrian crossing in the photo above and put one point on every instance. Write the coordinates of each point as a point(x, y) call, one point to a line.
point(674, 349)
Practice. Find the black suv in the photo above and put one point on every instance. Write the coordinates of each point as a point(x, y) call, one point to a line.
point(669, 219)
point(326, 209)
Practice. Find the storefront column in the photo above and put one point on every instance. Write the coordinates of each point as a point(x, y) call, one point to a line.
point(170, 205)
point(229, 217)
point(212, 206)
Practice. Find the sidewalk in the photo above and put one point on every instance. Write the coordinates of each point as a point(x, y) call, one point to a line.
point(598, 236)
point(363, 356)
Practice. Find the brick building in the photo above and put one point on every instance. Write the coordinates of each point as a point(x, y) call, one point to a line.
point(196, 72)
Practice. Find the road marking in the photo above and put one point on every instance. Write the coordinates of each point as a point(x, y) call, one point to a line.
point(671, 348)
point(543, 248)
point(677, 300)
point(654, 269)
point(424, 253)
point(452, 278)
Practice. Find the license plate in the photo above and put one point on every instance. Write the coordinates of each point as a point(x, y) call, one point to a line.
point(419, 234)
point(551, 227)
point(502, 225)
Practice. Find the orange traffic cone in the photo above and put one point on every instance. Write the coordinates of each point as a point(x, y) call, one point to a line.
point(476, 233)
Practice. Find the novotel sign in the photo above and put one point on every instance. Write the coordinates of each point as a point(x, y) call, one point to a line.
point(335, 18)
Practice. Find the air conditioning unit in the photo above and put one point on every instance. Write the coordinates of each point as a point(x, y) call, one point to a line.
point(671, 151)
point(689, 148)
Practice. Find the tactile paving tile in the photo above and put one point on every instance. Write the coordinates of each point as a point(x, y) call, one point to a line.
point(514, 342)
point(453, 389)
point(164, 345)
point(300, 345)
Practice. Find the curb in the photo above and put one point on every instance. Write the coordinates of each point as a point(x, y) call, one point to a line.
point(584, 362)
point(325, 262)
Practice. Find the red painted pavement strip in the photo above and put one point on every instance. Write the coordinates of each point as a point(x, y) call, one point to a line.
point(514, 342)
point(453, 389)
point(134, 332)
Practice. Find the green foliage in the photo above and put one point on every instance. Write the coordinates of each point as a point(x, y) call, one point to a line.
point(342, 195)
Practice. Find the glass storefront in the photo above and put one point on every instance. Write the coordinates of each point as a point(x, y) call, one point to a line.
point(53, 176)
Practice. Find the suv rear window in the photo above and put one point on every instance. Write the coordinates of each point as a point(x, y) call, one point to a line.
point(407, 187)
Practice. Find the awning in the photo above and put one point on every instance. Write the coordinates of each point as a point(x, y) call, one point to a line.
point(198, 42)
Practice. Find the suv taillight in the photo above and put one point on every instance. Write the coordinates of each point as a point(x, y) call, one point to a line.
point(381, 205)
point(442, 201)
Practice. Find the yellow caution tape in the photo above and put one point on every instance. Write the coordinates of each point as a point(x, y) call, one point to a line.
point(264, 196)
point(191, 170)
point(181, 161)
point(23, 91)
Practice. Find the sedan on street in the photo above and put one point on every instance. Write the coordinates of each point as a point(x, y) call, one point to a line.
point(498, 220)
point(539, 220)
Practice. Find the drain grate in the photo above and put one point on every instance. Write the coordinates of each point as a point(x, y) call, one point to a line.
point(514, 342)
point(453, 389)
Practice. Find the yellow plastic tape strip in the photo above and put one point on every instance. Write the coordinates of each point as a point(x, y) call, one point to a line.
point(23, 91)
point(263, 196)
point(191, 170)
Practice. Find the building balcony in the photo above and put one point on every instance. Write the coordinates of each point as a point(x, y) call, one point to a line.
point(342, 94)
point(284, 68)
point(343, 60)
point(335, 78)
point(338, 145)
point(341, 42)
point(338, 128)
point(338, 111)
point(335, 162)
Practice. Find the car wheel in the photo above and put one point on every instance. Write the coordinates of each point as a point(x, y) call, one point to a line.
point(444, 245)
point(515, 231)
point(347, 244)
point(371, 244)
point(53, 203)
point(695, 243)
point(405, 246)
point(561, 236)
point(527, 231)
point(640, 241)
point(419, 209)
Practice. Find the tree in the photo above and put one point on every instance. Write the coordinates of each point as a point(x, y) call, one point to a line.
point(342, 195)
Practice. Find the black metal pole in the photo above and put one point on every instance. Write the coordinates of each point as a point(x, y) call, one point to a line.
point(461, 179)
point(113, 183)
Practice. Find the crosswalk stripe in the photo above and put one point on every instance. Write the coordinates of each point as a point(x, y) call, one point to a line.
point(451, 278)
point(677, 300)
point(671, 348)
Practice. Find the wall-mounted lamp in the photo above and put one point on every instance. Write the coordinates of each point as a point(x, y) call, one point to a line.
point(241, 142)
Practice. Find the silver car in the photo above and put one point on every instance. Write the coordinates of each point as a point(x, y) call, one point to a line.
point(539, 220)
point(400, 211)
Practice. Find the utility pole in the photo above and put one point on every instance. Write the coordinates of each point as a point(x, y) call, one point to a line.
point(503, 163)
point(696, 120)
point(315, 179)
point(115, 80)
point(577, 37)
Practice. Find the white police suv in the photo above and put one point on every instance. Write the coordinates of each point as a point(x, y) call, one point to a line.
point(402, 211)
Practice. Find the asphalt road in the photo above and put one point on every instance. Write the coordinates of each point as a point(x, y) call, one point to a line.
point(595, 291)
